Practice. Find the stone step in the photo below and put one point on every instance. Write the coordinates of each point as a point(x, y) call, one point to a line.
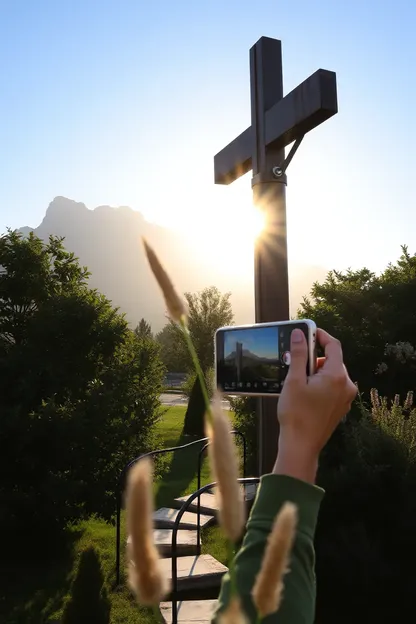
point(208, 504)
point(186, 542)
point(200, 572)
point(249, 490)
point(191, 612)
point(164, 518)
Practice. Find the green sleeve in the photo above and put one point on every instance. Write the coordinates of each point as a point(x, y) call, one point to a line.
point(298, 605)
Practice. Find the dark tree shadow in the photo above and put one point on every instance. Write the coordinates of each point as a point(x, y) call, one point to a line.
point(89, 600)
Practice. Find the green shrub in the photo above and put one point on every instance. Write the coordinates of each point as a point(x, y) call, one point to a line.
point(79, 393)
point(366, 539)
point(398, 421)
point(194, 423)
point(189, 383)
point(370, 314)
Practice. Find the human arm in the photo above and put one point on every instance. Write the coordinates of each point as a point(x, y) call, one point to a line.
point(298, 606)
point(309, 410)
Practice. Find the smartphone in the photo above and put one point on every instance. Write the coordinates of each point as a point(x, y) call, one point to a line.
point(253, 360)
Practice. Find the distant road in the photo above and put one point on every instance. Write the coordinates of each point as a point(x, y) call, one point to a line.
point(173, 399)
point(180, 399)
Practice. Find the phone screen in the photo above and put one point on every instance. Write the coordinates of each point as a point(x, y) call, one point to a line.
point(254, 360)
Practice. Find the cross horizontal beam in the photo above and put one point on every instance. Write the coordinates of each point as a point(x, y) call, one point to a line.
point(307, 106)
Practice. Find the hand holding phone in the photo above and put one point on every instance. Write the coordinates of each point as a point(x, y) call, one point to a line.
point(253, 360)
point(310, 409)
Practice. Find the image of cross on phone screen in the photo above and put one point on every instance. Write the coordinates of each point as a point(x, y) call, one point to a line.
point(254, 360)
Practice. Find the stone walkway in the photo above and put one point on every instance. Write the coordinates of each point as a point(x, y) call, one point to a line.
point(195, 572)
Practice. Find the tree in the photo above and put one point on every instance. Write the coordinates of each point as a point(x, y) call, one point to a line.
point(375, 321)
point(143, 329)
point(173, 350)
point(208, 310)
point(79, 391)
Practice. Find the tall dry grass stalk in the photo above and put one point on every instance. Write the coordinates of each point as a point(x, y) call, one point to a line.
point(145, 574)
point(233, 614)
point(268, 588)
point(224, 466)
point(178, 313)
point(223, 453)
point(174, 303)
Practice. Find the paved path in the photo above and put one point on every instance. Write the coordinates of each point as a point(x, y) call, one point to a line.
point(180, 399)
point(173, 399)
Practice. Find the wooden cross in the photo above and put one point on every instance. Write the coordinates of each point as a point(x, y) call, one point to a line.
point(276, 121)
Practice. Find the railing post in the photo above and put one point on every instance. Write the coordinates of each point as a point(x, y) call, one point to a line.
point(198, 533)
point(175, 570)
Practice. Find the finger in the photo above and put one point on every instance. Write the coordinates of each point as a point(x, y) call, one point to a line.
point(298, 356)
point(333, 350)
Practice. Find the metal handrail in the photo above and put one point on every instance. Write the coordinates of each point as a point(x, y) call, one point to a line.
point(121, 486)
point(201, 453)
point(245, 481)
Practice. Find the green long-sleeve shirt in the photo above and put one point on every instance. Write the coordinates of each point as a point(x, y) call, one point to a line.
point(298, 605)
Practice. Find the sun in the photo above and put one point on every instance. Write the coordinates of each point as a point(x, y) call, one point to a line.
point(254, 224)
point(243, 223)
point(220, 225)
point(224, 237)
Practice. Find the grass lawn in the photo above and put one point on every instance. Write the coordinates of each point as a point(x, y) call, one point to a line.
point(37, 594)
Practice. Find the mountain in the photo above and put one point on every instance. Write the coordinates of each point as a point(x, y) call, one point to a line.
point(250, 356)
point(107, 241)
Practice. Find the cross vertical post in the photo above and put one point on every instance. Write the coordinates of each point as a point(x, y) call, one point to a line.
point(271, 281)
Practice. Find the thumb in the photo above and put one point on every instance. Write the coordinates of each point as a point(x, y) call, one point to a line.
point(298, 356)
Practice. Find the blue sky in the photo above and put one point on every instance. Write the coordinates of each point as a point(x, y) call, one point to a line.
point(263, 342)
point(125, 102)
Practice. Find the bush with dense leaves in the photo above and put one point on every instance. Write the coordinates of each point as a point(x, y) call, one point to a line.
point(79, 391)
point(366, 538)
point(373, 317)
point(194, 423)
point(189, 382)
